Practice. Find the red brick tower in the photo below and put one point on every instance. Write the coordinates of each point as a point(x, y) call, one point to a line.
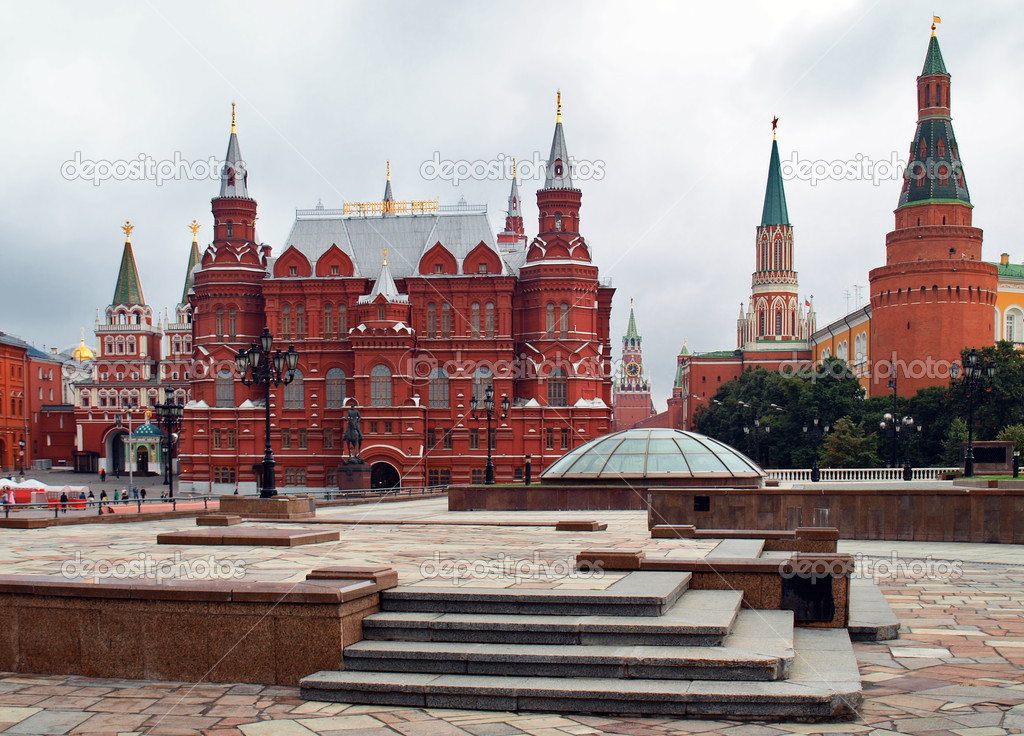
point(632, 390)
point(563, 312)
point(227, 313)
point(934, 296)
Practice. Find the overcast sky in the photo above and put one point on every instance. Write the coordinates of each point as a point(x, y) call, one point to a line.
point(671, 101)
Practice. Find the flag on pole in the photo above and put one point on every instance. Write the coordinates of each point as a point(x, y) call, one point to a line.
point(936, 19)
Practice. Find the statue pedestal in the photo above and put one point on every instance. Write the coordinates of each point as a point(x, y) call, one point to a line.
point(278, 507)
point(353, 477)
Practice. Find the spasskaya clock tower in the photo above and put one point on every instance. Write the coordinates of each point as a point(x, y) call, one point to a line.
point(631, 398)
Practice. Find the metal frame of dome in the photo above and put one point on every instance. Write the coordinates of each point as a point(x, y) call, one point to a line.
point(676, 453)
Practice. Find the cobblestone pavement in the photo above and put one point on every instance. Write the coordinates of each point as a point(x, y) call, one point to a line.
point(956, 670)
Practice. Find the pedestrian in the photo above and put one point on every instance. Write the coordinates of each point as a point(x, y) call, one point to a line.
point(6, 498)
point(143, 494)
point(92, 498)
point(63, 502)
point(117, 495)
point(103, 496)
point(135, 493)
point(103, 474)
point(117, 472)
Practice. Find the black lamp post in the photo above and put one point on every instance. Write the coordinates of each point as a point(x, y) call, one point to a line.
point(974, 371)
point(259, 365)
point(891, 426)
point(909, 430)
point(757, 437)
point(488, 407)
point(819, 430)
point(21, 457)
point(170, 414)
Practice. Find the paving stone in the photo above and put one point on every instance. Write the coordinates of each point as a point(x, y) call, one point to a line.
point(49, 722)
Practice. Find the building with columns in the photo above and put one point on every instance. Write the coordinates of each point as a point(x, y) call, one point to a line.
point(408, 310)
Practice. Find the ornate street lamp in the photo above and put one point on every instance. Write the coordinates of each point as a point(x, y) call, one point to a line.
point(757, 437)
point(258, 365)
point(170, 414)
point(909, 430)
point(21, 457)
point(819, 430)
point(974, 370)
point(488, 407)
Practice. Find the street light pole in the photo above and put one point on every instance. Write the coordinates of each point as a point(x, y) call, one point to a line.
point(488, 407)
point(258, 365)
point(892, 385)
point(973, 370)
point(170, 414)
point(819, 430)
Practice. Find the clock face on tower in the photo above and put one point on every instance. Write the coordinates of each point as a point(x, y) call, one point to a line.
point(633, 369)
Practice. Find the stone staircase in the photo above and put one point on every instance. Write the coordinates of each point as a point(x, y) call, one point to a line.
point(645, 645)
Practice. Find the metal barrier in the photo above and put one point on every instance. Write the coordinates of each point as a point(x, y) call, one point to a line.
point(82, 504)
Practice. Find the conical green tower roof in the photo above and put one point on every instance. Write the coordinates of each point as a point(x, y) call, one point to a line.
point(933, 63)
point(128, 290)
point(774, 212)
point(631, 333)
point(193, 261)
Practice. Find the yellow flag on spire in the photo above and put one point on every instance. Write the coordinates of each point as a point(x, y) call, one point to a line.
point(935, 21)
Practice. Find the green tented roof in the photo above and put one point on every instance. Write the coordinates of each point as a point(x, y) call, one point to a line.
point(774, 212)
point(631, 333)
point(128, 290)
point(193, 261)
point(933, 63)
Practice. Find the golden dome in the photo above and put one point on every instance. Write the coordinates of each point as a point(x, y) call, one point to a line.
point(82, 352)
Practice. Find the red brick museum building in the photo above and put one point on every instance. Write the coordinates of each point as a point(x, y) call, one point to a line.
point(407, 310)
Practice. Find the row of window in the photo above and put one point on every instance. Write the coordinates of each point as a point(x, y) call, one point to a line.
point(17, 407)
point(779, 263)
point(380, 388)
point(119, 345)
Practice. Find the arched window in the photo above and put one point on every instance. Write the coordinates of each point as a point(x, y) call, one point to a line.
point(342, 321)
point(300, 321)
point(225, 388)
point(557, 387)
point(328, 320)
point(761, 331)
point(108, 345)
point(431, 320)
point(286, 321)
point(551, 320)
point(482, 378)
point(85, 400)
point(438, 388)
point(940, 148)
point(219, 326)
point(446, 320)
point(293, 392)
point(558, 221)
point(474, 319)
point(380, 386)
point(563, 322)
point(233, 323)
point(380, 312)
point(489, 319)
point(131, 345)
point(778, 322)
point(120, 345)
point(176, 342)
point(335, 388)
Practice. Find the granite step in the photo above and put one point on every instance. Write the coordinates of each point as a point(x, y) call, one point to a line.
point(761, 648)
point(871, 616)
point(824, 683)
point(748, 549)
point(699, 618)
point(636, 594)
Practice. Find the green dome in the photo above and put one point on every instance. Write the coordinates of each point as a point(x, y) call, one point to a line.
point(653, 453)
point(148, 430)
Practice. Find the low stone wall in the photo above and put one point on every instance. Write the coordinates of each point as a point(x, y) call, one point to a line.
point(804, 539)
point(546, 498)
point(903, 512)
point(217, 631)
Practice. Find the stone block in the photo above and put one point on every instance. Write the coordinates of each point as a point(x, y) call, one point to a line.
point(611, 559)
point(218, 520)
point(580, 526)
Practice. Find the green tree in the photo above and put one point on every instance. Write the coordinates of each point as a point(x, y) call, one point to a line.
point(849, 447)
point(1015, 434)
point(955, 436)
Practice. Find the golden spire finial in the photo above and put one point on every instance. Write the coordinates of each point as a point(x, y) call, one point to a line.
point(513, 169)
point(558, 119)
point(233, 130)
point(389, 171)
point(127, 227)
point(83, 336)
point(935, 21)
point(385, 256)
point(194, 227)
